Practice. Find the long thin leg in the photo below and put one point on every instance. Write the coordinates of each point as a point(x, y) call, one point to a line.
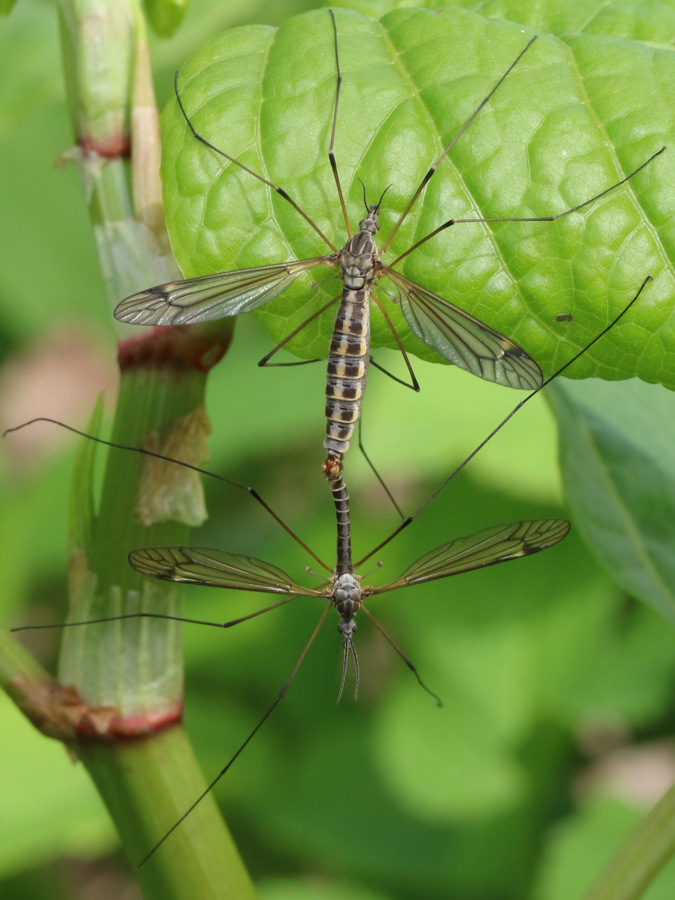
point(499, 427)
point(232, 159)
point(147, 615)
point(391, 375)
point(452, 143)
point(377, 474)
point(401, 654)
point(552, 218)
point(279, 698)
point(263, 362)
point(186, 465)
point(331, 154)
point(414, 384)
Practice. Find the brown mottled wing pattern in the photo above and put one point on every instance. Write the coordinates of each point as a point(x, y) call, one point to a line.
point(212, 297)
point(485, 548)
point(216, 568)
point(464, 340)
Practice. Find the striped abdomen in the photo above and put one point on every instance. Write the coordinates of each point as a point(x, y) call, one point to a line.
point(344, 536)
point(347, 369)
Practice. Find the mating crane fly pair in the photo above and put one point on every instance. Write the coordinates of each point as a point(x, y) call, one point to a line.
point(454, 334)
point(344, 589)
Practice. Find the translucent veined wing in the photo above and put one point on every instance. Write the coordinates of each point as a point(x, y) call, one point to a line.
point(216, 568)
point(212, 296)
point(485, 548)
point(464, 340)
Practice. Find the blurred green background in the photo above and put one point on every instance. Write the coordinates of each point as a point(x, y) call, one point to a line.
point(554, 736)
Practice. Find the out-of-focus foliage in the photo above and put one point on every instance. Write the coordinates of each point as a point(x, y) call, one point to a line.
point(545, 666)
point(165, 16)
point(618, 463)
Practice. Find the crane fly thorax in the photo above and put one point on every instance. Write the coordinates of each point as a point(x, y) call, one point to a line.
point(346, 597)
point(359, 256)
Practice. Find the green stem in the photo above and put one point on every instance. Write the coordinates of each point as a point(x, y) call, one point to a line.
point(642, 856)
point(33, 690)
point(133, 667)
point(118, 703)
point(147, 783)
point(16, 663)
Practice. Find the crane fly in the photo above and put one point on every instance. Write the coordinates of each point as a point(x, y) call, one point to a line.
point(343, 590)
point(453, 333)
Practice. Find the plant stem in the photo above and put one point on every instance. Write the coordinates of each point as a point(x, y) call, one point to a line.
point(642, 856)
point(118, 703)
point(147, 783)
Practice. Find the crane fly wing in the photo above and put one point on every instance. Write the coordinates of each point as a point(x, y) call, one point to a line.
point(217, 568)
point(212, 296)
point(485, 548)
point(464, 340)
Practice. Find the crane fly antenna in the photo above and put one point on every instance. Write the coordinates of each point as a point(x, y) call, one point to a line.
point(348, 649)
point(365, 199)
point(379, 202)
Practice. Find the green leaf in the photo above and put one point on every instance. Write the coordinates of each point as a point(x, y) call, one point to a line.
point(586, 841)
point(6, 7)
point(165, 16)
point(574, 117)
point(619, 474)
point(651, 20)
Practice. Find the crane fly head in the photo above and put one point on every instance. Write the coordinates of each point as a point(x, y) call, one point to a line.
point(371, 223)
